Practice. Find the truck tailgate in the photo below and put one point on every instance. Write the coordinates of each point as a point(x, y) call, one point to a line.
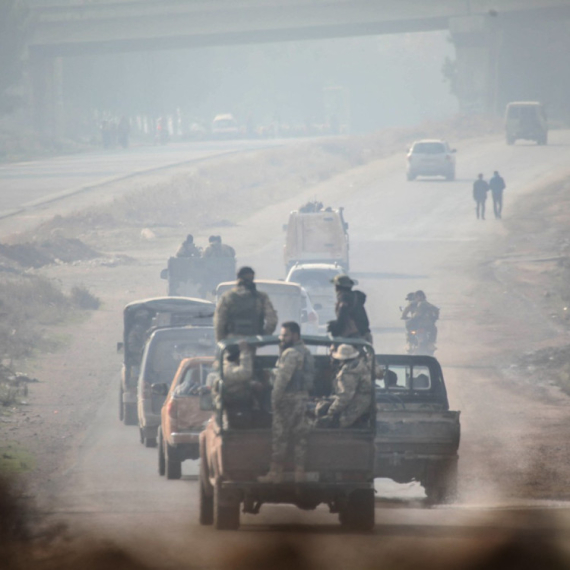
point(246, 453)
point(417, 433)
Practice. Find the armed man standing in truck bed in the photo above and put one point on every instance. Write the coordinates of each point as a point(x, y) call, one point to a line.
point(244, 311)
point(294, 376)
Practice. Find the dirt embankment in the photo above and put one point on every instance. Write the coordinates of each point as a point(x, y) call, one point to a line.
point(533, 264)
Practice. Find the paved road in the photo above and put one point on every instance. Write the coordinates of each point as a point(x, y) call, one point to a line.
point(28, 184)
point(404, 236)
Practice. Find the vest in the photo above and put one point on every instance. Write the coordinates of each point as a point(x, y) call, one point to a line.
point(245, 314)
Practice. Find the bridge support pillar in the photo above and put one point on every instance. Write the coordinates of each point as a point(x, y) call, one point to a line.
point(47, 95)
point(477, 42)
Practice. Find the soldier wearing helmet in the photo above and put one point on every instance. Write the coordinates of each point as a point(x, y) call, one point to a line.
point(351, 318)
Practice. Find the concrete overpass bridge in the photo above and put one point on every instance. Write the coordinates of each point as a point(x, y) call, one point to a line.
point(479, 29)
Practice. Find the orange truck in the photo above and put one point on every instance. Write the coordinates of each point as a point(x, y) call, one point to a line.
point(182, 420)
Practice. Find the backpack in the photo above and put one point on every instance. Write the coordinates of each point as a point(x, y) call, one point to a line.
point(245, 317)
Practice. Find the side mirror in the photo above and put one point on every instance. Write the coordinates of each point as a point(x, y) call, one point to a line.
point(120, 346)
point(317, 307)
point(285, 227)
point(206, 403)
point(159, 389)
point(164, 274)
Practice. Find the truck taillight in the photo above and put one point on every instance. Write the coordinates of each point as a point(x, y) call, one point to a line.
point(172, 409)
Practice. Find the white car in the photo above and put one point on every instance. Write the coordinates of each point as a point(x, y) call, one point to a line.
point(431, 158)
point(225, 127)
point(316, 279)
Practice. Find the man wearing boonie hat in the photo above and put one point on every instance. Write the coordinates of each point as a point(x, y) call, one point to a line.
point(351, 318)
point(353, 390)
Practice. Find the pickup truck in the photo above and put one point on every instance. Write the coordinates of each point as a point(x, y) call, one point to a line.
point(198, 276)
point(339, 466)
point(182, 420)
point(417, 436)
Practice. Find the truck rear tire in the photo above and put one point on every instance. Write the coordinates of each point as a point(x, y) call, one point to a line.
point(121, 407)
point(161, 458)
point(441, 485)
point(130, 414)
point(173, 467)
point(359, 514)
point(206, 502)
point(206, 506)
point(226, 515)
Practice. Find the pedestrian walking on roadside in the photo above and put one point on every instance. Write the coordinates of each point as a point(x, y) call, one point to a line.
point(480, 189)
point(497, 185)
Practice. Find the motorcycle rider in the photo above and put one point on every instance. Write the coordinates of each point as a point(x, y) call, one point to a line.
point(410, 308)
point(425, 315)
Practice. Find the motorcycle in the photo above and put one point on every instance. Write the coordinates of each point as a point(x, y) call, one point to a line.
point(419, 342)
point(419, 339)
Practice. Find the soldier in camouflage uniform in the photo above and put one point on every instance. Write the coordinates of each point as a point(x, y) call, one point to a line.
point(352, 386)
point(293, 380)
point(218, 249)
point(188, 248)
point(238, 385)
point(244, 311)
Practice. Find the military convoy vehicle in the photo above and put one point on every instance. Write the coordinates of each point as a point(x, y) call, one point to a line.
point(198, 276)
point(417, 436)
point(158, 312)
point(316, 235)
point(182, 420)
point(412, 436)
point(164, 351)
point(340, 462)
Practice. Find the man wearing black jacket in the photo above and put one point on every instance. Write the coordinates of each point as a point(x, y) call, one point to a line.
point(351, 318)
point(497, 185)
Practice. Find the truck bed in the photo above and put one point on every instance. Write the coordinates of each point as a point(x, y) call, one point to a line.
point(332, 455)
